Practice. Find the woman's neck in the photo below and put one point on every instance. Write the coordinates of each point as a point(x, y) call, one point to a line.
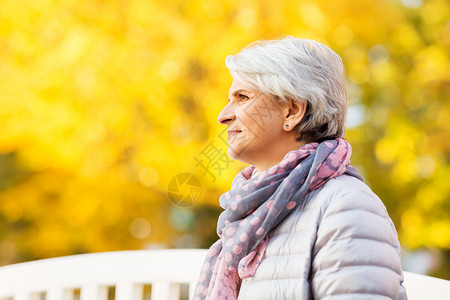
point(278, 153)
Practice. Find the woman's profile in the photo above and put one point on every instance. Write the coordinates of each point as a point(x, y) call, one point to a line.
point(299, 222)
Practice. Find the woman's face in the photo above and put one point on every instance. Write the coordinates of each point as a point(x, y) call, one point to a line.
point(255, 124)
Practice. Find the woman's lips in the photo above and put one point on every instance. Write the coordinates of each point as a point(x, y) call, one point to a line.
point(232, 133)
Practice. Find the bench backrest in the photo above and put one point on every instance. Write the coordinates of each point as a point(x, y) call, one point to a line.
point(122, 275)
point(138, 275)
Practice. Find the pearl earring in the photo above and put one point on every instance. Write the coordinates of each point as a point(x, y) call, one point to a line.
point(286, 126)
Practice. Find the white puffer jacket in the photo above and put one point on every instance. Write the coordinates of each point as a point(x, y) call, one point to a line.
point(341, 245)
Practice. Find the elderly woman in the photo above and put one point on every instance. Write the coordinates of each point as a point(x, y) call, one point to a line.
point(298, 223)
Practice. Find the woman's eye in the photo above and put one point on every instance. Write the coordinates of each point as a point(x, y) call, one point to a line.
point(243, 97)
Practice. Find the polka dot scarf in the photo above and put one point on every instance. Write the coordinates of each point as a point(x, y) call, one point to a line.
point(256, 204)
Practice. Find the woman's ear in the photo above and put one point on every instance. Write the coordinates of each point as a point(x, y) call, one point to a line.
point(293, 114)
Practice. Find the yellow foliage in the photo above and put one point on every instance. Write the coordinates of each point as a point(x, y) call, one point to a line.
point(104, 102)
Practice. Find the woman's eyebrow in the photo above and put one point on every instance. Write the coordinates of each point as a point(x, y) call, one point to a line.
point(237, 92)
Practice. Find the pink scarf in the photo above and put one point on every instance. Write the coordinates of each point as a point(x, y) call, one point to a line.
point(257, 204)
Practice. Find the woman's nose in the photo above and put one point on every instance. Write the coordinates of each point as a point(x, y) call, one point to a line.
point(226, 115)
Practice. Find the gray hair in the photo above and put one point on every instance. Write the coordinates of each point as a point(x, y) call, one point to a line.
point(301, 70)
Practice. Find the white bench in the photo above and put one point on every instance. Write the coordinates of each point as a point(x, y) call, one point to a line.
point(421, 287)
point(127, 275)
point(138, 275)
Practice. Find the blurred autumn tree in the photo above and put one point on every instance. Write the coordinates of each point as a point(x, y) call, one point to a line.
point(104, 102)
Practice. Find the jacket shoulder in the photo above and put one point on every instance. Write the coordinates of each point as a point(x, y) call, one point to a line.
point(345, 193)
point(349, 205)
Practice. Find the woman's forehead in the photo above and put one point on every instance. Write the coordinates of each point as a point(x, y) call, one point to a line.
point(239, 87)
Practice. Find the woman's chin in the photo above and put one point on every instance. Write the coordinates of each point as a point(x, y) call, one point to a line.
point(239, 155)
point(232, 153)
